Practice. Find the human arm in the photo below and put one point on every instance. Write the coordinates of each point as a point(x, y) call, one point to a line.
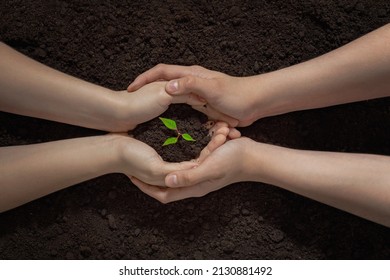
point(31, 171)
point(357, 71)
point(356, 183)
point(30, 88)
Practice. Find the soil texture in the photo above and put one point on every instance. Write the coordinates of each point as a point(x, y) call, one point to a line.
point(111, 42)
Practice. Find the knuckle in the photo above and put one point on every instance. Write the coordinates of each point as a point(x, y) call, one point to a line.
point(160, 67)
point(187, 179)
point(197, 68)
point(190, 82)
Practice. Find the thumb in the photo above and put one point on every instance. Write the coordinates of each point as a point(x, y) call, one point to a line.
point(185, 178)
point(177, 166)
point(204, 88)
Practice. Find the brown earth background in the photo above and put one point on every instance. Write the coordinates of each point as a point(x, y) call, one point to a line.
point(110, 43)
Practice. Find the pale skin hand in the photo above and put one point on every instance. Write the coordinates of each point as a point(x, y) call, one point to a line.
point(357, 71)
point(356, 183)
point(224, 94)
point(220, 134)
point(31, 171)
point(149, 102)
point(222, 167)
point(33, 89)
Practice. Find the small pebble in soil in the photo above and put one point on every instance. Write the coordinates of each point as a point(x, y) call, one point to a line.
point(228, 246)
point(111, 222)
point(235, 211)
point(85, 251)
point(137, 231)
point(261, 219)
point(276, 235)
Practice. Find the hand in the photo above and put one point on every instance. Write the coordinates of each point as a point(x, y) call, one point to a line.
point(223, 166)
point(138, 159)
point(142, 161)
point(227, 95)
point(149, 102)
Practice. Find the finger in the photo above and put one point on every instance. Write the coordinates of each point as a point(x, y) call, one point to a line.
point(153, 191)
point(169, 167)
point(160, 72)
point(167, 195)
point(214, 114)
point(217, 126)
point(164, 195)
point(222, 130)
point(215, 142)
point(190, 99)
point(185, 178)
point(234, 133)
point(205, 88)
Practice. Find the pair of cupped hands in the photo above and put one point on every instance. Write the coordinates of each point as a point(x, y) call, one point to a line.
point(210, 92)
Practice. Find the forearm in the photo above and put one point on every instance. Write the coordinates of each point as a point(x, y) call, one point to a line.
point(32, 171)
point(33, 89)
point(357, 71)
point(356, 183)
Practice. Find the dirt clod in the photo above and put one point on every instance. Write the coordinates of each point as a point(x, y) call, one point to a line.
point(276, 235)
point(111, 222)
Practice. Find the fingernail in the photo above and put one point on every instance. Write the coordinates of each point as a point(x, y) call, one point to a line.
point(173, 86)
point(172, 180)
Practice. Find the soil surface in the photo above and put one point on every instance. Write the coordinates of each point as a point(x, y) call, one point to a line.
point(109, 43)
point(154, 133)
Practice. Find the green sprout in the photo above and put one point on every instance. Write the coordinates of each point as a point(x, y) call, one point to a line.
point(171, 124)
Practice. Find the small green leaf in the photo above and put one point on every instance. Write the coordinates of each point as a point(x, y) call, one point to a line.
point(171, 124)
point(187, 137)
point(170, 141)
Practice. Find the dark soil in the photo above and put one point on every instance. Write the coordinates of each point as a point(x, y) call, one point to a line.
point(154, 133)
point(110, 44)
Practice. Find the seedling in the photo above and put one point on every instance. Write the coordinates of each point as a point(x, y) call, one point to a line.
point(171, 124)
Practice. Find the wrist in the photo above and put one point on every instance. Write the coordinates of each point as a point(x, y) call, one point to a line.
point(261, 160)
point(106, 111)
point(120, 112)
point(116, 145)
point(268, 93)
point(250, 163)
